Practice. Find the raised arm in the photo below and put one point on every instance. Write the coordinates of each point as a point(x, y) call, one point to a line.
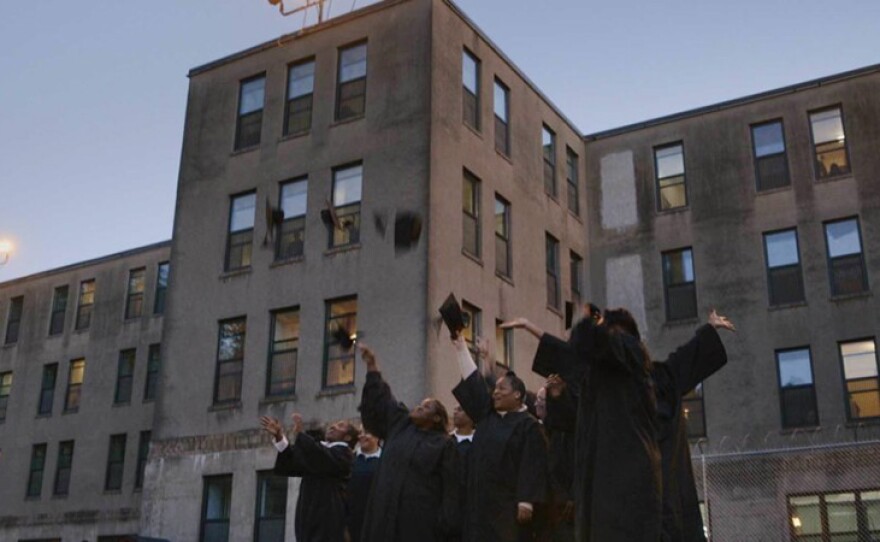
point(702, 356)
point(472, 393)
point(380, 410)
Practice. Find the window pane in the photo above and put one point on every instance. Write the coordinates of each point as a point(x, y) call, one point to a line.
point(674, 195)
point(841, 510)
point(806, 518)
point(768, 139)
point(782, 248)
point(500, 101)
point(353, 63)
point(243, 212)
point(679, 266)
point(799, 407)
point(301, 80)
point(871, 502)
point(77, 370)
point(347, 186)
point(232, 335)
point(293, 198)
point(252, 93)
point(470, 72)
point(859, 359)
point(548, 143)
point(501, 223)
point(843, 238)
point(286, 330)
point(794, 368)
point(827, 126)
point(469, 198)
point(670, 161)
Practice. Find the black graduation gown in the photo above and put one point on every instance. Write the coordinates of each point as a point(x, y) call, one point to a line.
point(559, 424)
point(507, 465)
point(415, 489)
point(362, 471)
point(320, 508)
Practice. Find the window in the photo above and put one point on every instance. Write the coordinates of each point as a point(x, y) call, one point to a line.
point(577, 277)
point(63, 468)
point(291, 235)
point(671, 188)
point(681, 290)
point(47, 390)
point(35, 475)
point(694, 414)
point(552, 254)
point(75, 377)
point(829, 143)
point(13, 323)
point(502, 236)
point(784, 278)
point(154, 361)
point(548, 144)
point(503, 346)
point(230, 360)
point(85, 304)
point(115, 463)
point(571, 178)
point(502, 124)
point(470, 202)
point(59, 308)
point(771, 164)
point(473, 329)
point(239, 241)
point(5, 388)
point(162, 272)
point(134, 303)
point(339, 360)
point(347, 185)
point(283, 353)
point(470, 77)
point(143, 454)
point(300, 93)
point(351, 93)
point(250, 112)
point(797, 392)
point(216, 504)
point(124, 377)
point(853, 515)
point(271, 507)
point(846, 264)
point(861, 374)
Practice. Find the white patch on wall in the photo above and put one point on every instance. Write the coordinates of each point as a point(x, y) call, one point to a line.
point(618, 175)
point(624, 287)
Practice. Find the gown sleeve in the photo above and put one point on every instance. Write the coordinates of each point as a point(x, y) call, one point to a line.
point(380, 410)
point(305, 457)
point(697, 359)
point(532, 480)
point(450, 473)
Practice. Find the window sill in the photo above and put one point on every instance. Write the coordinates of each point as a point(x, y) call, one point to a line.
point(287, 261)
point(112, 492)
point(121, 405)
point(341, 250)
point(675, 211)
point(795, 430)
point(54, 336)
point(238, 152)
point(59, 497)
point(867, 422)
point(770, 191)
point(347, 121)
point(848, 297)
point(471, 257)
point(786, 306)
point(555, 311)
point(33, 498)
point(683, 322)
point(575, 216)
point(131, 320)
point(222, 407)
point(297, 135)
point(506, 157)
point(157, 315)
point(333, 392)
point(235, 273)
point(81, 331)
point(8, 346)
point(42, 417)
point(66, 412)
point(275, 399)
point(553, 198)
point(831, 179)
point(505, 278)
point(474, 130)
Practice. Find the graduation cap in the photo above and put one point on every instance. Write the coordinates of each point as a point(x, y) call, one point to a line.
point(344, 336)
point(407, 228)
point(274, 217)
point(451, 313)
point(595, 312)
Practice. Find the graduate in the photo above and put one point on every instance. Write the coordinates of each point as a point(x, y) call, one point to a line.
point(324, 468)
point(415, 490)
point(366, 462)
point(559, 423)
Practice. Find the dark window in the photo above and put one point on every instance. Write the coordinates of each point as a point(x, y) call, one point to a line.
point(124, 376)
point(339, 360)
point(797, 392)
point(134, 303)
point(13, 323)
point(784, 277)
point(5, 388)
point(59, 308)
point(240, 237)
point(470, 78)
point(283, 353)
point(474, 327)
point(571, 178)
point(351, 94)
point(35, 475)
point(85, 303)
point(470, 204)
point(63, 468)
point(694, 414)
point(347, 184)
point(829, 143)
point(154, 361)
point(271, 507)
point(502, 124)
point(846, 263)
point(548, 145)
point(143, 454)
point(47, 389)
point(250, 112)
point(553, 278)
point(771, 163)
point(502, 236)
point(861, 374)
point(503, 346)
point(230, 360)
point(75, 377)
point(577, 277)
point(845, 516)
point(115, 463)
point(162, 272)
point(671, 187)
point(681, 289)
point(216, 504)
point(300, 95)
point(290, 237)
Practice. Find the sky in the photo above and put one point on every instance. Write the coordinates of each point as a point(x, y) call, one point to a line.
point(93, 94)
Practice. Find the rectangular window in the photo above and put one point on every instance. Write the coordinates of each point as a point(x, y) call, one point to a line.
point(84, 304)
point(784, 277)
point(347, 189)
point(861, 374)
point(75, 377)
point(502, 124)
point(240, 237)
point(230, 360)
point(47, 390)
point(216, 504)
point(300, 95)
point(679, 280)
point(143, 454)
point(115, 463)
point(341, 319)
point(553, 278)
point(252, 94)
point(124, 376)
point(13, 322)
point(35, 475)
point(290, 237)
point(283, 353)
point(571, 178)
point(470, 204)
point(63, 468)
point(5, 388)
point(351, 92)
point(470, 78)
point(829, 143)
point(694, 413)
point(162, 272)
point(577, 277)
point(797, 392)
point(503, 346)
point(548, 145)
point(154, 362)
point(846, 263)
point(671, 187)
point(502, 236)
point(771, 163)
point(59, 309)
point(271, 507)
point(134, 302)
point(853, 515)
point(473, 327)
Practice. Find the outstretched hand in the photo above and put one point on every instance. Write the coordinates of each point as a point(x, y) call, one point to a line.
point(720, 322)
point(523, 323)
point(273, 427)
point(368, 356)
point(555, 386)
point(297, 420)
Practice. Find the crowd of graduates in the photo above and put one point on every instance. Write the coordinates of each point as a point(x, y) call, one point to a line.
point(599, 454)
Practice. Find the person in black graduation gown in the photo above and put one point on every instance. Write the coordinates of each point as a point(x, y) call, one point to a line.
point(366, 462)
point(324, 468)
point(416, 488)
point(559, 423)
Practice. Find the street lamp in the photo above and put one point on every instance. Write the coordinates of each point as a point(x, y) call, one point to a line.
point(5, 250)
